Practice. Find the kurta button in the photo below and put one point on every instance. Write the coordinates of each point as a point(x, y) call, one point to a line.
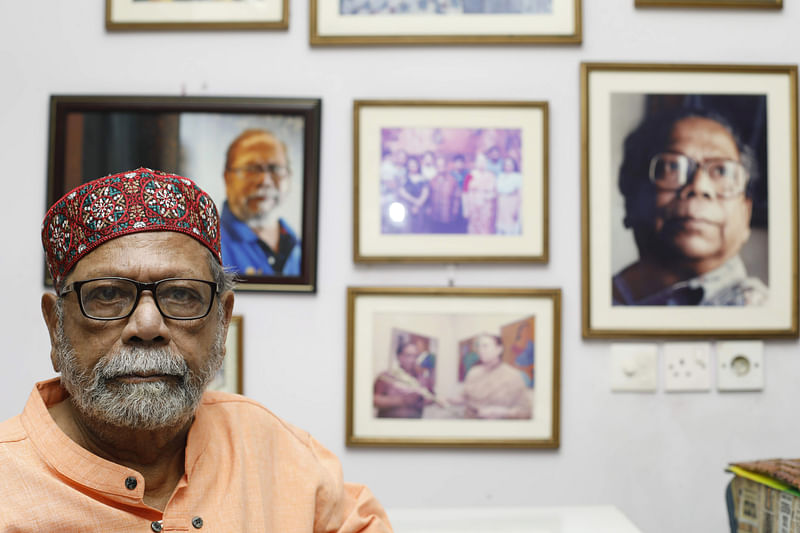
point(197, 522)
point(130, 483)
point(156, 526)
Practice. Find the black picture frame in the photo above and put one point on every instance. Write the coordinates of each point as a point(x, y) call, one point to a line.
point(128, 132)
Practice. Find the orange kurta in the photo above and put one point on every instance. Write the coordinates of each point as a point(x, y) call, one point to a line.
point(246, 470)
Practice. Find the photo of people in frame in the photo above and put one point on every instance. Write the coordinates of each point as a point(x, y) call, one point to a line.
point(443, 7)
point(407, 386)
point(689, 225)
point(451, 181)
point(485, 376)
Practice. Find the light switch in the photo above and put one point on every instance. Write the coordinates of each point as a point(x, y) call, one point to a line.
point(687, 366)
point(740, 365)
point(634, 367)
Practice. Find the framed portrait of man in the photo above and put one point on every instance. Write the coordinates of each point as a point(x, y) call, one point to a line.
point(689, 200)
point(257, 158)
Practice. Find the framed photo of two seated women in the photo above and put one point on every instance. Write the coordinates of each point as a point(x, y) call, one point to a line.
point(450, 181)
point(689, 200)
point(453, 367)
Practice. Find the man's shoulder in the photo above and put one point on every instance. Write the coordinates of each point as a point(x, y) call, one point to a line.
point(237, 411)
point(11, 430)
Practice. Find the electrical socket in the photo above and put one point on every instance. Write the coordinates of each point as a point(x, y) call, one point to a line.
point(740, 365)
point(687, 366)
point(634, 367)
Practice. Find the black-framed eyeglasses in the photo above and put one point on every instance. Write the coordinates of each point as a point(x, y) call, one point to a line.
point(257, 171)
point(113, 298)
point(672, 171)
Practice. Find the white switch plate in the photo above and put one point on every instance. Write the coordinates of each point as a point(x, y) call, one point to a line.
point(740, 365)
point(687, 366)
point(634, 367)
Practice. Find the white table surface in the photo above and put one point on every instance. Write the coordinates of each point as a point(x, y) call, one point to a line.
point(585, 519)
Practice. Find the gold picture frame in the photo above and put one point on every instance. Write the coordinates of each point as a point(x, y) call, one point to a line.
point(126, 15)
point(419, 373)
point(330, 25)
point(486, 200)
point(230, 377)
point(620, 103)
point(723, 4)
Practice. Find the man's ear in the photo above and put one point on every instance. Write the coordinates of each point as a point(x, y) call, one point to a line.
point(49, 302)
point(227, 311)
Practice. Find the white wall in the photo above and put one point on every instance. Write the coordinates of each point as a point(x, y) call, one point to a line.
point(660, 458)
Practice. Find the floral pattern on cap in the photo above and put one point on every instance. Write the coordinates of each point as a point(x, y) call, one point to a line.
point(124, 203)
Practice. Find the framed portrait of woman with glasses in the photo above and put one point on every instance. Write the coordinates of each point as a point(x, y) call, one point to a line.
point(256, 157)
point(690, 205)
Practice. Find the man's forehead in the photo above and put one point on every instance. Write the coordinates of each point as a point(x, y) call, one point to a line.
point(702, 129)
point(257, 144)
point(160, 253)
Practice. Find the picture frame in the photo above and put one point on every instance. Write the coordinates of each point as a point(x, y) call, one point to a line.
point(444, 22)
point(230, 378)
point(453, 367)
point(122, 15)
point(93, 136)
point(697, 259)
point(450, 181)
point(705, 4)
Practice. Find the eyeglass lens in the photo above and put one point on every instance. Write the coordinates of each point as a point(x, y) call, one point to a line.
point(673, 171)
point(110, 298)
point(252, 171)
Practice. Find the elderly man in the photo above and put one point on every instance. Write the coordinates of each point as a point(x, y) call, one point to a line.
point(255, 240)
point(687, 181)
point(126, 440)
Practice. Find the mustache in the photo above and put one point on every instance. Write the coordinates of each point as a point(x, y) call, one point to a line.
point(141, 361)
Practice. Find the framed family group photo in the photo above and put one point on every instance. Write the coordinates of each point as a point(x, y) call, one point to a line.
point(450, 181)
point(354, 22)
point(258, 158)
point(197, 15)
point(689, 200)
point(230, 377)
point(453, 367)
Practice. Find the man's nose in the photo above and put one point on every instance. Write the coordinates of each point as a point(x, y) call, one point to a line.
point(146, 325)
point(699, 184)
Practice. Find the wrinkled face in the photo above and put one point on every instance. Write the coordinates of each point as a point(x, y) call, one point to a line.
point(693, 223)
point(144, 371)
point(488, 349)
point(252, 191)
point(408, 357)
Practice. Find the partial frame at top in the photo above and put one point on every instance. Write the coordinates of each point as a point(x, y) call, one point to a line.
point(445, 22)
point(126, 15)
point(705, 4)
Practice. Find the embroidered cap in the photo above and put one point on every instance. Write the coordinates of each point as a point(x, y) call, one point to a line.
point(124, 203)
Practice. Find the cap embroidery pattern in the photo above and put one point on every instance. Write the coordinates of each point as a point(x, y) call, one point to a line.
point(120, 204)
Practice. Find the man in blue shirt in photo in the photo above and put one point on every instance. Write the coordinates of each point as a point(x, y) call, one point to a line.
point(255, 240)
